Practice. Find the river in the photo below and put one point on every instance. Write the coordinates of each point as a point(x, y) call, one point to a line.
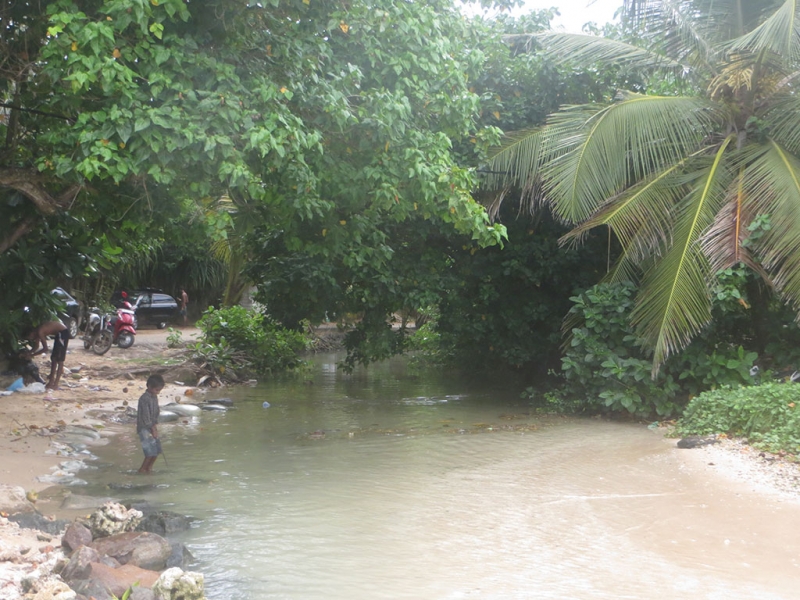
point(389, 485)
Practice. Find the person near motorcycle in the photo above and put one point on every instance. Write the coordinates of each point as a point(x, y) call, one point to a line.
point(39, 336)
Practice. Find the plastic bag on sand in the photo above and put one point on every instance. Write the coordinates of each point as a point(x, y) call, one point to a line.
point(17, 385)
point(34, 388)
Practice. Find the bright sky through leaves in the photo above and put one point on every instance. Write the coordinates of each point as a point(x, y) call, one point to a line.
point(574, 13)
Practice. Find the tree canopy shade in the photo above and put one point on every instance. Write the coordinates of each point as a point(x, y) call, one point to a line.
point(689, 183)
point(321, 121)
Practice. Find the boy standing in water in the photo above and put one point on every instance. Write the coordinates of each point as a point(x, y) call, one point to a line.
point(147, 421)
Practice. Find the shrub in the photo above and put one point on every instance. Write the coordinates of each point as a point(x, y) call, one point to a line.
point(767, 415)
point(247, 342)
point(606, 365)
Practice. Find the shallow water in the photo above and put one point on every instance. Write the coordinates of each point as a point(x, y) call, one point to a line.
point(386, 485)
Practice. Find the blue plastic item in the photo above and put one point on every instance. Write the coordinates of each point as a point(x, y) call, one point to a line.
point(16, 385)
point(265, 405)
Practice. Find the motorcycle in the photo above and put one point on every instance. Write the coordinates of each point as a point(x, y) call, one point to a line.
point(103, 330)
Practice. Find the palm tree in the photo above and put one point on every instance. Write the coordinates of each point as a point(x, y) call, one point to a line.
point(684, 181)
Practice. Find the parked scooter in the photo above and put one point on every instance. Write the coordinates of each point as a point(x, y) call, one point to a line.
point(103, 330)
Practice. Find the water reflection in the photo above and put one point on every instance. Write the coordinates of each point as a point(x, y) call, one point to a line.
point(383, 485)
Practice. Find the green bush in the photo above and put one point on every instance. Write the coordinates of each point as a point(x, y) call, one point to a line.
point(606, 366)
point(247, 342)
point(767, 415)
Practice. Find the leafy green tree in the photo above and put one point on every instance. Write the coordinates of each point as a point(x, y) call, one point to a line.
point(330, 120)
point(680, 178)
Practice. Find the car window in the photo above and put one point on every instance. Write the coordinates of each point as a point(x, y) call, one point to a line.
point(162, 299)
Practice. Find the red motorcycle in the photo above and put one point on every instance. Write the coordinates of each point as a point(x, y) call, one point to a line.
point(102, 331)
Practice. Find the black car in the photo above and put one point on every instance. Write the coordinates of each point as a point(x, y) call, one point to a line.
point(152, 306)
point(71, 315)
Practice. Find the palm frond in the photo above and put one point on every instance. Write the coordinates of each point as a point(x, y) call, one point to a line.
point(779, 34)
point(640, 217)
point(582, 49)
point(725, 241)
point(772, 186)
point(674, 303)
point(516, 160)
point(620, 145)
point(781, 121)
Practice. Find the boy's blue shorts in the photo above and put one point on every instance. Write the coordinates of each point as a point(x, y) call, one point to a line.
point(150, 445)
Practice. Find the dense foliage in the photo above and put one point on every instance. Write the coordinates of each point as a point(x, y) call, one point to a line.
point(767, 415)
point(609, 367)
point(239, 342)
point(681, 172)
point(316, 126)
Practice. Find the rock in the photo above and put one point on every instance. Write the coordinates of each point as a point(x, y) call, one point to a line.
point(112, 519)
point(79, 502)
point(138, 548)
point(185, 375)
point(81, 431)
point(75, 536)
point(39, 522)
point(91, 589)
point(13, 500)
point(167, 416)
point(696, 441)
point(222, 401)
point(164, 523)
point(80, 564)
point(117, 581)
point(180, 556)
point(140, 593)
point(175, 584)
point(185, 410)
point(55, 590)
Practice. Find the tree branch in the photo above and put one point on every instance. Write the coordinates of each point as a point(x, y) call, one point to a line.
point(38, 112)
point(24, 227)
point(32, 186)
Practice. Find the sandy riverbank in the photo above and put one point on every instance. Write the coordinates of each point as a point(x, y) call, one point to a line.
point(30, 423)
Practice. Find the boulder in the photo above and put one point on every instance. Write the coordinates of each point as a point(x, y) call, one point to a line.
point(186, 375)
point(221, 401)
point(55, 590)
point(167, 416)
point(112, 519)
point(80, 502)
point(91, 589)
point(164, 523)
point(175, 584)
point(185, 410)
point(141, 593)
point(119, 580)
point(79, 565)
point(180, 556)
point(13, 500)
point(75, 536)
point(142, 549)
point(39, 522)
point(696, 441)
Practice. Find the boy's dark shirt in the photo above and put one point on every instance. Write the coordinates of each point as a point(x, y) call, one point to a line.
point(147, 412)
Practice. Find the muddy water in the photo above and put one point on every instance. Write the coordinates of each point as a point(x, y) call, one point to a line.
point(385, 485)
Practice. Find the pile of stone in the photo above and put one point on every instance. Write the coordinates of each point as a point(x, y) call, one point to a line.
point(105, 556)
